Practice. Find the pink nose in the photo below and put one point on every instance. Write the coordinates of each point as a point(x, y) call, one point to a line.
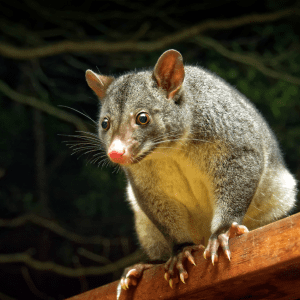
point(118, 152)
point(116, 155)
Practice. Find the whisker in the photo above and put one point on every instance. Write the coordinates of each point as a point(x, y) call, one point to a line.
point(83, 137)
point(83, 114)
point(82, 146)
point(176, 137)
point(88, 133)
point(86, 143)
point(105, 162)
point(83, 143)
point(93, 150)
point(116, 169)
point(98, 156)
point(93, 160)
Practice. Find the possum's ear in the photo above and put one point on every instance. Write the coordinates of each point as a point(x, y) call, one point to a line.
point(169, 72)
point(98, 83)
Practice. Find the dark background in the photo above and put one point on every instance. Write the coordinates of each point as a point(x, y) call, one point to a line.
point(65, 226)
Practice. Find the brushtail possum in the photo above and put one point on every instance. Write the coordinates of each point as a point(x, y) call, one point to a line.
point(201, 162)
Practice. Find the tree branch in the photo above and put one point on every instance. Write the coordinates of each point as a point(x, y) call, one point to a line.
point(32, 286)
point(27, 260)
point(11, 51)
point(54, 227)
point(246, 59)
point(5, 297)
point(43, 106)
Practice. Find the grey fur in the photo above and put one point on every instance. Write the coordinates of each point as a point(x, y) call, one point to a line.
point(206, 159)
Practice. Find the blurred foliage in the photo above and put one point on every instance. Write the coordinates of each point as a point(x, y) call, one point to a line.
point(86, 198)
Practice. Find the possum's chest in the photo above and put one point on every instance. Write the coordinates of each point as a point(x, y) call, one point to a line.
point(181, 181)
point(177, 179)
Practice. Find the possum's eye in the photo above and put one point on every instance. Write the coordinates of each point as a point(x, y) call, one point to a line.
point(105, 124)
point(142, 118)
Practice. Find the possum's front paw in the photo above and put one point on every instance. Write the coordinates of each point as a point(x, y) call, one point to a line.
point(132, 274)
point(222, 240)
point(182, 252)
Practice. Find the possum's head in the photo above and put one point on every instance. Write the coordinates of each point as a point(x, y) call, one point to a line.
point(140, 110)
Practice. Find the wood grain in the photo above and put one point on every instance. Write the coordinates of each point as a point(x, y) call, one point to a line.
point(265, 264)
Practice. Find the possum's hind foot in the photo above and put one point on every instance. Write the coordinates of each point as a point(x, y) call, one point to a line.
point(182, 252)
point(222, 240)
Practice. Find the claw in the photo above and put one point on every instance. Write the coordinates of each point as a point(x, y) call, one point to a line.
point(227, 253)
point(127, 283)
point(123, 284)
point(222, 240)
point(191, 260)
point(130, 272)
point(174, 266)
point(182, 278)
point(214, 258)
point(166, 276)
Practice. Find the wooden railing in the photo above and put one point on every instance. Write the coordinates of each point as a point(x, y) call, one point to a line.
point(265, 264)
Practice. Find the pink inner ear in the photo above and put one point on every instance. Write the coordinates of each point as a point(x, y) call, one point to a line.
point(169, 72)
point(98, 83)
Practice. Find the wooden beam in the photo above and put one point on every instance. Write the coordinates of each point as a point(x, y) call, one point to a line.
point(265, 264)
